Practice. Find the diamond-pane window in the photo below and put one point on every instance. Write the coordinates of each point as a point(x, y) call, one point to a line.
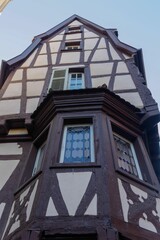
point(77, 146)
point(127, 159)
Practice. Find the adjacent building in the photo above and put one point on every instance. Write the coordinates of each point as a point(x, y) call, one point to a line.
point(79, 152)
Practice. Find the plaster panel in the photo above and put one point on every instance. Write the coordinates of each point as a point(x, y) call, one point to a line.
point(41, 60)
point(18, 75)
point(15, 225)
point(29, 60)
point(54, 58)
point(122, 67)
point(102, 43)
point(99, 81)
point(86, 55)
point(114, 54)
point(73, 184)
point(73, 36)
point(100, 55)
point(75, 23)
point(101, 68)
point(54, 46)
point(10, 149)
point(51, 210)
point(34, 88)
point(70, 57)
point(13, 90)
point(89, 34)
point(92, 208)
point(7, 167)
point(133, 98)
point(2, 206)
point(59, 37)
point(32, 104)
point(144, 223)
point(43, 49)
point(31, 200)
point(8, 107)
point(36, 73)
point(123, 82)
point(89, 44)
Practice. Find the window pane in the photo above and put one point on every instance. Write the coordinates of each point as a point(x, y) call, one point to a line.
point(57, 84)
point(127, 159)
point(78, 145)
point(38, 161)
point(76, 81)
point(59, 73)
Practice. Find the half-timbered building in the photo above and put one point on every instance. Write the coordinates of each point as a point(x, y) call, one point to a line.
point(79, 155)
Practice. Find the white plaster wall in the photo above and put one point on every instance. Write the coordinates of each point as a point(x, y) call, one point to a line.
point(102, 43)
point(2, 206)
point(114, 54)
point(73, 36)
point(92, 208)
point(18, 75)
point(29, 60)
point(10, 149)
point(41, 60)
point(75, 23)
point(100, 55)
point(54, 58)
point(43, 49)
point(86, 55)
point(51, 210)
point(122, 68)
point(34, 88)
point(99, 81)
point(7, 167)
point(32, 104)
point(73, 186)
point(9, 107)
point(54, 46)
point(13, 90)
point(89, 44)
point(36, 73)
point(70, 57)
point(101, 68)
point(123, 82)
point(133, 98)
point(89, 34)
point(59, 37)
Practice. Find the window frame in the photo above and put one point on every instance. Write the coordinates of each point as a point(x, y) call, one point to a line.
point(63, 143)
point(135, 158)
point(68, 70)
point(148, 174)
point(38, 159)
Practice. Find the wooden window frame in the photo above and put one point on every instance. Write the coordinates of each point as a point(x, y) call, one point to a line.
point(65, 78)
point(91, 140)
point(141, 152)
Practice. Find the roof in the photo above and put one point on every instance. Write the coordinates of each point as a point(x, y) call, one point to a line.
point(8, 66)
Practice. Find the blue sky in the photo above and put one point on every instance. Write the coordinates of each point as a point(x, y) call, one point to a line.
point(137, 23)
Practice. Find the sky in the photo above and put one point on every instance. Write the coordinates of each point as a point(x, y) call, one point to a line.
point(136, 21)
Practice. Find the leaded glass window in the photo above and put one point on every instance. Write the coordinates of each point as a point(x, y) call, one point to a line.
point(77, 146)
point(127, 159)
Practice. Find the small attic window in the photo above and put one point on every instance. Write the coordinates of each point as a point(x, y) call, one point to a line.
point(72, 45)
point(74, 29)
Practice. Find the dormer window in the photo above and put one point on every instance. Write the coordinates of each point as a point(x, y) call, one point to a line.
point(72, 45)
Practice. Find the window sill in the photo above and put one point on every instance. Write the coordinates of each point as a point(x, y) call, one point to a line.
point(71, 50)
point(75, 165)
point(135, 179)
point(31, 179)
